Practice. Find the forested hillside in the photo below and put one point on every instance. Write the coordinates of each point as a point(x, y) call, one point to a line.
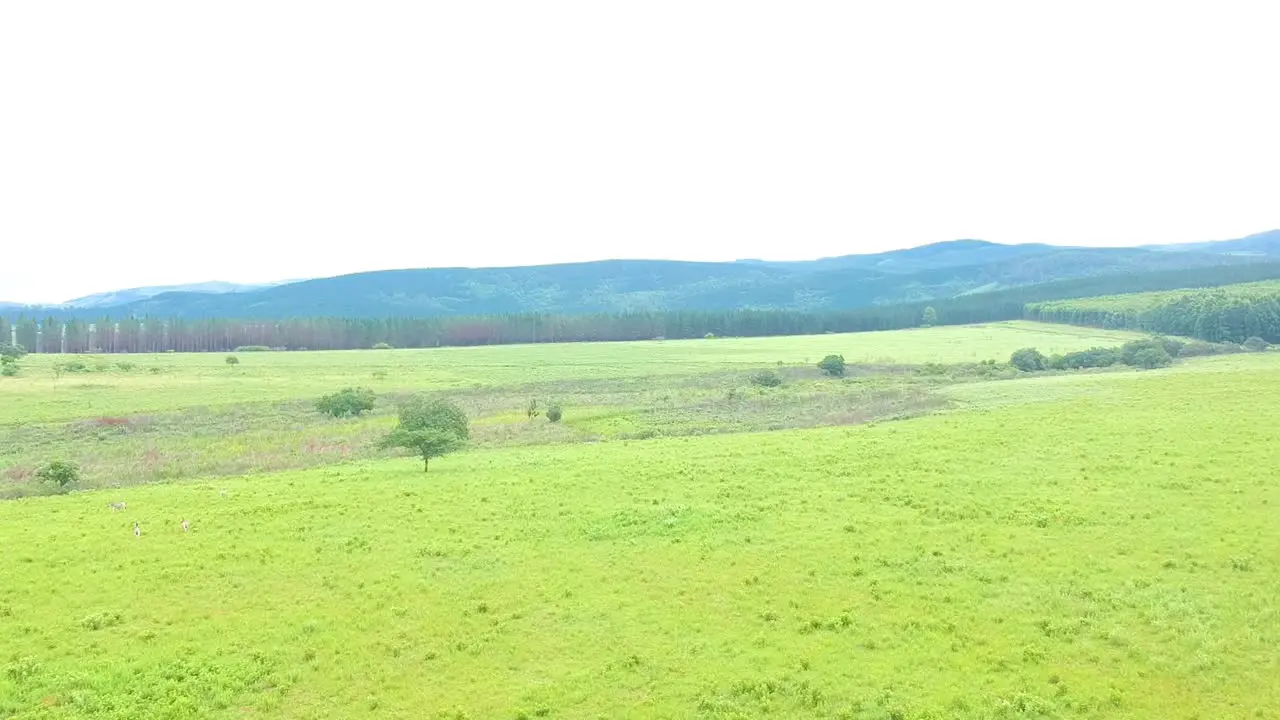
point(109, 333)
point(1233, 313)
point(928, 273)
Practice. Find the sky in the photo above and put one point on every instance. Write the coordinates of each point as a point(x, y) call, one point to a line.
point(149, 143)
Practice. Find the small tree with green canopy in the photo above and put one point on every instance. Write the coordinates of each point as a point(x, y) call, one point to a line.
point(60, 473)
point(431, 428)
point(832, 365)
point(1027, 360)
point(930, 317)
point(12, 351)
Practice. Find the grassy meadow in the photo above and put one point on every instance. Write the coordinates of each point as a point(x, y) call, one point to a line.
point(156, 383)
point(197, 416)
point(906, 542)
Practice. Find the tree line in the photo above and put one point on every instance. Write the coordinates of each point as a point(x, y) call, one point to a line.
point(68, 332)
point(1214, 314)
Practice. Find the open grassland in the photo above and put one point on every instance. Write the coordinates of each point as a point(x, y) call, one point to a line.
point(170, 382)
point(1109, 551)
point(230, 419)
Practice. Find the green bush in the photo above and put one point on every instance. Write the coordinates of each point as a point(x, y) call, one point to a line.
point(1172, 346)
point(348, 402)
point(832, 365)
point(554, 413)
point(8, 366)
point(232, 360)
point(1150, 358)
point(1197, 348)
point(766, 378)
point(382, 346)
point(253, 348)
point(1091, 358)
point(1255, 344)
point(11, 350)
point(1143, 353)
point(73, 366)
point(1027, 360)
point(61, 473)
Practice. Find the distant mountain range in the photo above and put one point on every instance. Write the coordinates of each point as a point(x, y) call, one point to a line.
point(936, 271)
point(124, 297)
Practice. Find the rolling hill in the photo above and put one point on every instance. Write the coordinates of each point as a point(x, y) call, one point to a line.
point(930, 272)
point(116, 298)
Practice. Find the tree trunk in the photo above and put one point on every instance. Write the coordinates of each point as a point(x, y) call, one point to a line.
point(426, 464)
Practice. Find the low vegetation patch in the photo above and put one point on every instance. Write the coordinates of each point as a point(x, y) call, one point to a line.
point(348, 402)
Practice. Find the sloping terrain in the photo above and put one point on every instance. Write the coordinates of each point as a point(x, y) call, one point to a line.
point(643, 285)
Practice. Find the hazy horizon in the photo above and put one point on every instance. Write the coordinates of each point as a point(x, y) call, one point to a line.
point(270, 281)
point(151, 143)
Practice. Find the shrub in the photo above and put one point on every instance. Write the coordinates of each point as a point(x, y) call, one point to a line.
point(431, 428)
point(709, 336)
point(1091, 358)
point(73, 366)
point(233, 360)
point(382, 346)
point(1172, 346)
point(832, 365)
point(60, 473)
point(554, 413)
point(1141, 353)
point(1150, 358)
point(1255, 344)
point(253, 348)
point(766, 378)
point(12, 350)
point(8, 366)
point(348, 402)
point(532, 410)
point(1027, 360)
point(1197, 348)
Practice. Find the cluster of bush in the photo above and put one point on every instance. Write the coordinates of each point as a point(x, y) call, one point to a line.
point(1149, 353)
point(554, 411)
point(9, 356)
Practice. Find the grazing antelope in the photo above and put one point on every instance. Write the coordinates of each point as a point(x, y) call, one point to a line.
point(185, 525)
point(116, 507)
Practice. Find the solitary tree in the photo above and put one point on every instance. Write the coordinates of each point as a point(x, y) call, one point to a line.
point(431, 428)
point(930, 317)
point(60, 473)
point(832, 365)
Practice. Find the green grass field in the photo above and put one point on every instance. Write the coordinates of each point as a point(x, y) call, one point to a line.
point(1078, 545)
point(158, 383)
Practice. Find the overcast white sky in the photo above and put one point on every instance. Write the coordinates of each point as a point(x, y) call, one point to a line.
point(162, 142)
